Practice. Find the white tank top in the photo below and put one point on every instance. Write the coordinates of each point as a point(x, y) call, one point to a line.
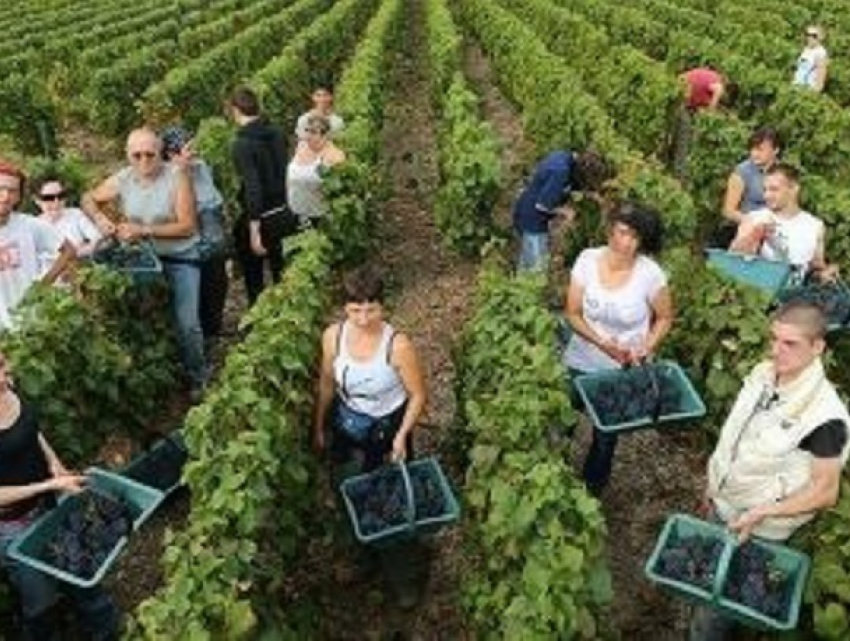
point(304, 189)
point(371, 387)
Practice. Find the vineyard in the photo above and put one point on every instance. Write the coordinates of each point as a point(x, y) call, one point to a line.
point(447, 105)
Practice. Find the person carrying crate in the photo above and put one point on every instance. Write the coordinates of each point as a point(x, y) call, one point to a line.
point(30, 475)
point(779, 457)
point(371, 394)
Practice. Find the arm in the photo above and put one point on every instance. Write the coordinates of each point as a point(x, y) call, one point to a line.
point(662, 311)
point(820, 73)
point(751, 234)
point(252, 193)
point(732, 199)
point(819, 494)
point(718, 89)
point(65, 259)
point(92, 202)
point(405, 359)
point(575, 316)
point(824, 271)
point(53, 463)
point(325, 390)
point(90, 232)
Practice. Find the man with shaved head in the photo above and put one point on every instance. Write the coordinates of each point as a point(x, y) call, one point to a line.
point(781, 451)
point(157, 201)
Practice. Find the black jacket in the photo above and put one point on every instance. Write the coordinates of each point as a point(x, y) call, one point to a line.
point(259, 154)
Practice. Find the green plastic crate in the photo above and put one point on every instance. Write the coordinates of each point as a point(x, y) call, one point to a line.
point(791, 561)
point(28, 547)
point(838, 307)
point(678, 526)
point(412, 526)
point(767, 275)
point(137, 260)
point(690, 404)
point(161, 466)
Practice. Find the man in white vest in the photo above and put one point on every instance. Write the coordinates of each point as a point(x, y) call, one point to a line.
point(780, 454)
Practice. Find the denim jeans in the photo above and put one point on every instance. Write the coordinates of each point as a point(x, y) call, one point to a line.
point(533, 252)
point(184, 279)
point(38, 592)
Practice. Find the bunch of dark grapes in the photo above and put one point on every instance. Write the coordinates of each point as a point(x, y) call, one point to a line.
point(125, 256)
point(830, 297)
point(161, 468)
point(379, 501)
point(649, 391)
point(756, 582)
point(88, 534)
point(691, 559)
point(427, 494)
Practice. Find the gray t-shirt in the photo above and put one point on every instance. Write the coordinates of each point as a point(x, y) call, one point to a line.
point(154, 204)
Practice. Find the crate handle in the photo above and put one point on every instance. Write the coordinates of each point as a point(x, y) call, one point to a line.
point(729, 547)
point(410, 511)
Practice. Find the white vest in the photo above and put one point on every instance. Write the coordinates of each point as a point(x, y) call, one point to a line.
point(758, 459)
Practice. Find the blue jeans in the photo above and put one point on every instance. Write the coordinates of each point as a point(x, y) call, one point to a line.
point(533, 252)
point(38, 592)
point(184, 279)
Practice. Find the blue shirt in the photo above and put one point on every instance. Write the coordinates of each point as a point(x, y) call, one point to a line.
point(549, 187)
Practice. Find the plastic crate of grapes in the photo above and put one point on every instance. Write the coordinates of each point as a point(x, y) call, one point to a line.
point(161, 467)
point(399, 501)
point(47, 544)
point(621, 400)
point(763, 584)
point(137, 260)
point(832, 297)
point(768, 275)
point(688, 557)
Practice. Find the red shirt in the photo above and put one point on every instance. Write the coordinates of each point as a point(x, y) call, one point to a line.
point(699, 86)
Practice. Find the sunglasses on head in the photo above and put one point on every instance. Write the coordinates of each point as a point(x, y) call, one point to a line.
point(50, 197)
point(138, 155)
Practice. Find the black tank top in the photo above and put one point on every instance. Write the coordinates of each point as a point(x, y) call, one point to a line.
point(22, 461)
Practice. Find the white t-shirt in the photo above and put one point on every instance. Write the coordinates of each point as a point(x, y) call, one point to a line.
point(22, 240)
point(806, 64)
point(74, 225)
point(301, 126)
point(623, 314)
point(793, 239)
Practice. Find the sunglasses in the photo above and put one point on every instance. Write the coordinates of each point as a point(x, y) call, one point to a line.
point(138, 155)
point(812, 34)
point(51, 197)
point(318, 132)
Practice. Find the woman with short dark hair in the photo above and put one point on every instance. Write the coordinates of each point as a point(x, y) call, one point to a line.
point(619, 306)
point(371, 385)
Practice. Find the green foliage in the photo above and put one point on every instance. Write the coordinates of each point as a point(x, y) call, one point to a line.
point(81, 354)
point(350, 188)
point(192, 91)
point(717, 349)
point(250, 467)
point(468, 150)
point(534, 534)
point(829, 587)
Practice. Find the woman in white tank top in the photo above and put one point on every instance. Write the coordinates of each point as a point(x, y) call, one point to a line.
point(371, 386)
point(304, 172)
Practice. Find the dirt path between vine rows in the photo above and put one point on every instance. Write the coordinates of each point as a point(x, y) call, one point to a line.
point(655, 473)
point(430, 292)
